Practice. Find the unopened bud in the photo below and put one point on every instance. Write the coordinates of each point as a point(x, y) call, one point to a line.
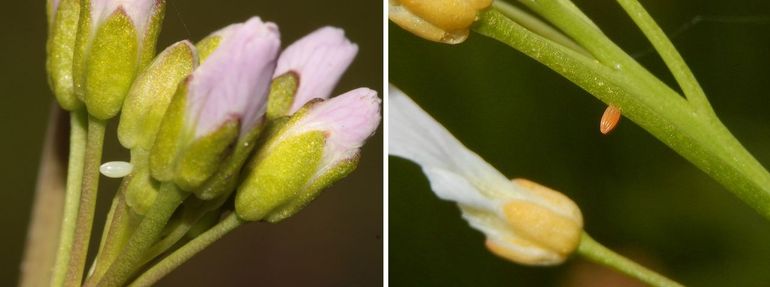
point(223, 99)
point(63, 16)
point(151, 93)
point(446, 21)
point(116, 39)
point(543, 233)
point(318, 145)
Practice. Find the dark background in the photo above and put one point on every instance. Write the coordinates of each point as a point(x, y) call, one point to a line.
point(637, 196)
point(336, 241)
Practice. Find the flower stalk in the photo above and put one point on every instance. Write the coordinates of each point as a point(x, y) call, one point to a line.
point(184, 253)
point(87, 206)
point(78, 135)
point(596, 252)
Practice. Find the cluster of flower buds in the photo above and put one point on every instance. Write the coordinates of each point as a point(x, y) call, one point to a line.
point(193, 115)
point(523, 221)
point(184, 111)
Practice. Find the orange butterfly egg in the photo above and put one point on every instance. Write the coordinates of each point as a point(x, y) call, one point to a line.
point(610, 119)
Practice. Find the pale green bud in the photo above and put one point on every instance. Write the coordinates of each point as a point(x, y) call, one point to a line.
point(116, 39)
point(319, 145)
point(151, 93)
point(278, 175)
point(63, 18)
point(178, 156)
point(141, 191)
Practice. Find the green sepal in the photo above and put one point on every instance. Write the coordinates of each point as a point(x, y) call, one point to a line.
point(281, 97)
point(202, 158)
point(339, 171)
point(111, 65)
point(142, 190)
point(151, 94)
point(82, 43)
point(150, 40)
point(62, 36)
point(207, 46)
point(170, 136)
point(226, 177)
point(278, 173)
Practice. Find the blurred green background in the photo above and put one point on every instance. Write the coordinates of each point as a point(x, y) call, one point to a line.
point(637, 196)
point(336, 241)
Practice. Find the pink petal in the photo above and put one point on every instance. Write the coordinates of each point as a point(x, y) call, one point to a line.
point(320, 59)
point(348, 120)
point(232, 84)
point(139, 11)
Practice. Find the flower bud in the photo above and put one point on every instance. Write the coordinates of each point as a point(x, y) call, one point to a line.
point(540, 231)
point(523, 221)
point(446, 21)
point(151, 93)
point(63, 18)
point(315, 63)
point(316, 147)
point(116, 39)
point(223, 99)
point(141, 191)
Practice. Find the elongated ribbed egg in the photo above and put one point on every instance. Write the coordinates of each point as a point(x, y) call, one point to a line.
point(610, 119)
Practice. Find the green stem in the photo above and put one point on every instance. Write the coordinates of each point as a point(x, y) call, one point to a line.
point(538, 26)
point(148, 232)
point(568, 17)
point(669, 54)
point(87, 206)
point(698, 137)
point(181, 255)
point(78, 134)
point(121, 224)
point(193, 211)
point(596, 252)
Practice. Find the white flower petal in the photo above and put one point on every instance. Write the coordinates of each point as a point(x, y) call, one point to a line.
point(454, 187)
point(415, 136)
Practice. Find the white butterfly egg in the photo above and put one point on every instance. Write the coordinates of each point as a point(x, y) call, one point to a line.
point(116, 169)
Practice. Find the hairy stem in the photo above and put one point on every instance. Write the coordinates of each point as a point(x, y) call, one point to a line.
point(698, 137)
point(121, 224)
point(184, 253)
point(536, 25)
point(194, 210)
point(87, 202)
point(148, 232)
